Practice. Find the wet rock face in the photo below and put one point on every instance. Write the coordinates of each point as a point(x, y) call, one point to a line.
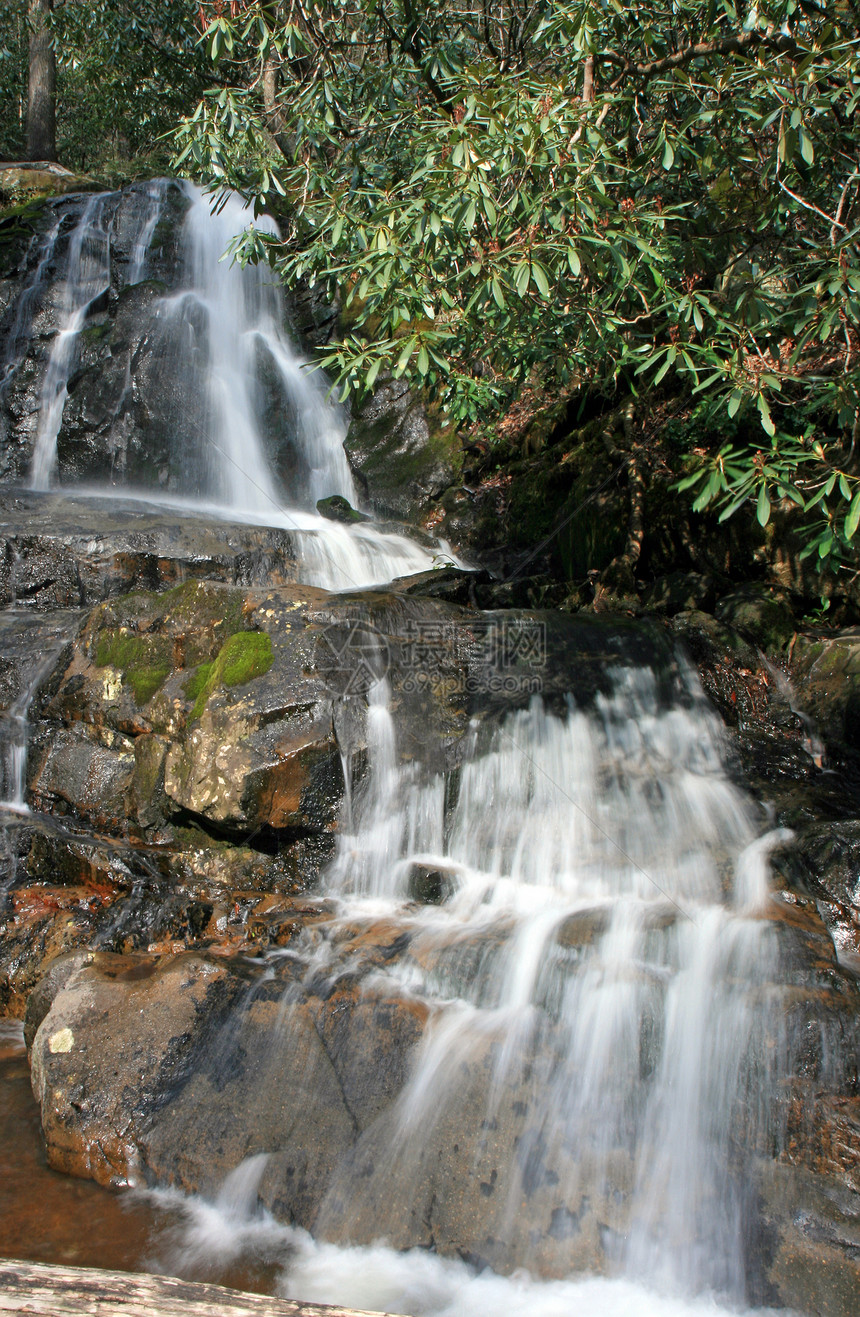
point(63, 893)
point(61, 551)
point(401, 464)
point(824, 866)
point(825, 670)
point(108, 427)
point(208, 1040)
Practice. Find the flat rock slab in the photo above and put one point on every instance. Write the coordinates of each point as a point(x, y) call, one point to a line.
point(65, 550)
point(55, 1291)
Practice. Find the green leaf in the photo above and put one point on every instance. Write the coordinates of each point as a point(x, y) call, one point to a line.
point(766, 418)
point(853, 519)
point(762, 510)
point(521, 279)
point(370, 378)
point(668, 156)
point(733, 506)
point(689, 481)
point(667, 364)
point(498, 295)
point(540, 280)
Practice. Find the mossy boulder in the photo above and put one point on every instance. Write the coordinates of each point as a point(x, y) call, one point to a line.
point(244, 656)
point(338, 508)
point(763, 616)
point(825, 674)
point(199, 702)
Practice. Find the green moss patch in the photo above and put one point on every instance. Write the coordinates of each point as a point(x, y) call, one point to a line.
point(244, 656)
point(143, 661)
point(197, 681)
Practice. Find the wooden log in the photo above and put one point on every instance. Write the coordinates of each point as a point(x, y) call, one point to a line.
point(49, 1291)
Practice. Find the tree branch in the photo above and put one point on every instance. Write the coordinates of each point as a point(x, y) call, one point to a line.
point(739, 45)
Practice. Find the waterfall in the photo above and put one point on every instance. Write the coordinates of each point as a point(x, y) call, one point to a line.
point(233, 392)
point(20, 330)
point(599, 933)
point(151, 215)
point(585, 904)
point(26, 635)
point(226, 324)
point(578, 909)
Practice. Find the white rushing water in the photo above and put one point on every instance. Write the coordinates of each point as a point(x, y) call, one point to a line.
point(239, 384)
point(206, 1236)
point(36, 642)
point(151, 215)
point(87, 280)
point(599, 960)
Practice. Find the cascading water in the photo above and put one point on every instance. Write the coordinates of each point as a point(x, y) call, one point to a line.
point(239, 394)
point(20, 330)
point(151, 215)
point(88, 280)
point(596, 967)
point(614, 876)
point(24, 635)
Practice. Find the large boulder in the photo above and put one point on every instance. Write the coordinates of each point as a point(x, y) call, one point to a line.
point(199, 702)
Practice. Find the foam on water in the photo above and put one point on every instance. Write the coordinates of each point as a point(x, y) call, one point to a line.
point(208, 1237)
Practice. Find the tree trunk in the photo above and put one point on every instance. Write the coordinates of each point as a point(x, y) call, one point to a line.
point(41, 101)
point(274, 119)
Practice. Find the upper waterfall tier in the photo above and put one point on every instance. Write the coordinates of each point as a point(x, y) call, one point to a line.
point(136, 356)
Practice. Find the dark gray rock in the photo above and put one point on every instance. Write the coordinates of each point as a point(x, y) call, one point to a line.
point(679, 592)
point(401, 460)
point(338, 508)
point(108, 428)
point(58, 550)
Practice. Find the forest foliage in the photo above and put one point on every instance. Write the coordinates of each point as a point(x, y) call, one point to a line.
point(587, 194)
